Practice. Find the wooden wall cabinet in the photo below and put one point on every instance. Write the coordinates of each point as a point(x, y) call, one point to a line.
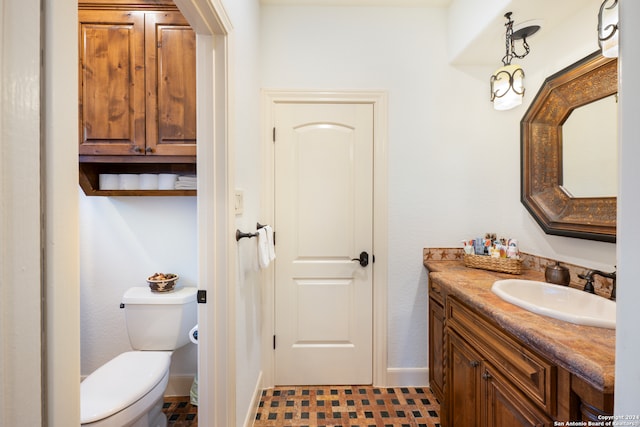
point(137, 87)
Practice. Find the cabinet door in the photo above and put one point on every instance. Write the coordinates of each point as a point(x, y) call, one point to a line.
point(436, 348)
point(112, 87)
point(505, 406)
point(171, 85)
point(462, 384)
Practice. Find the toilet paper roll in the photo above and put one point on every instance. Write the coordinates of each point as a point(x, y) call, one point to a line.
point(129, 181)
point(193, 334)
point(108, 181)
point(167, 181)
point(148, 181)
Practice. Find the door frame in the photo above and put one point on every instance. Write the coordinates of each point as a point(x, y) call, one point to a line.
point(216, 256)
point(270, 98)
point(59, 404)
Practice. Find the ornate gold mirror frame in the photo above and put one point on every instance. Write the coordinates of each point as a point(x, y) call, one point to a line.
point(590, 79)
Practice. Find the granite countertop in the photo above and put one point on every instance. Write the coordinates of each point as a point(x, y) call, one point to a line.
point(586, 351)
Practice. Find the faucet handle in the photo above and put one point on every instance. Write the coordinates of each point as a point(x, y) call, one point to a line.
point(588, 286)
point(586, 276)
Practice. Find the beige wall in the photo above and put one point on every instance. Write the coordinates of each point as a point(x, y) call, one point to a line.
point(60, 183)
point(20, 222)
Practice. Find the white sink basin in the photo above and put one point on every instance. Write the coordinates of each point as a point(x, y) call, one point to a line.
point(559, 302)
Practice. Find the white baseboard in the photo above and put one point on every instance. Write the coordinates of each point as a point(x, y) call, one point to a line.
point(255, 401)
point(179, 385)
point(407, 377)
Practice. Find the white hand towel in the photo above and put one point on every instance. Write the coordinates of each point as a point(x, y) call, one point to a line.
point(263, 248)
point(271, 243)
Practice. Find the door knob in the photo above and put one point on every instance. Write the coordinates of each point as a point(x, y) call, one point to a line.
point(364, 259)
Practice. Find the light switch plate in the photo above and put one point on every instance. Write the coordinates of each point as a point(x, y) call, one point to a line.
point(239, 202)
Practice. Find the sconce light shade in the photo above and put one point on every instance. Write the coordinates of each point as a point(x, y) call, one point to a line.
point(507, 83)
point(507, 87)
point(608, 28)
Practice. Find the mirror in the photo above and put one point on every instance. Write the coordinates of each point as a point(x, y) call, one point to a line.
point(590, 150)
point(561, 210)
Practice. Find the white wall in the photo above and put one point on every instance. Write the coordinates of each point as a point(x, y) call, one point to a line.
point(452, 173)
point(244, 15)
point(627, 343)
point(127, 235)
point(376, 48)
point(62, 361)
point(123, 240)
point(454, 162)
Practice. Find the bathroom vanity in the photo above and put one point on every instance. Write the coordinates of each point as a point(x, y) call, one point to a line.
point(492, 363)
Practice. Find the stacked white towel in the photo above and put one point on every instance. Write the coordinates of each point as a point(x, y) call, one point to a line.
point(186, 182)
point(266, 247)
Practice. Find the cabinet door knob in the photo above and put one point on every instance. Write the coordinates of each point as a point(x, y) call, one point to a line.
point(149, 150)
point(137, 149)
point(474, 363)
point(486, 375)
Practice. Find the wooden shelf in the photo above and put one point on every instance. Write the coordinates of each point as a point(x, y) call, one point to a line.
point(92, 166)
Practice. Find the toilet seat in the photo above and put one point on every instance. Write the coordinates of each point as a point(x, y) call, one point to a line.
point(121, 382)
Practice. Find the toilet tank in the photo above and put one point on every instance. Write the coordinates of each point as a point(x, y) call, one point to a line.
point(159, 320)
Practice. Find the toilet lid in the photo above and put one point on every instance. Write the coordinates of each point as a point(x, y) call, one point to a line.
point(121, 382)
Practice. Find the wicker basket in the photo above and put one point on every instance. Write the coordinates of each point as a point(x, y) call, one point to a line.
point(163, 285)
point(503, 265)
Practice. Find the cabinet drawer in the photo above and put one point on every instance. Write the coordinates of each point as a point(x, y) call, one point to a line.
point(533, 375)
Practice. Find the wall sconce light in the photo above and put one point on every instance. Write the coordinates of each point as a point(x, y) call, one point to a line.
point(608, 28)
point(507, 83)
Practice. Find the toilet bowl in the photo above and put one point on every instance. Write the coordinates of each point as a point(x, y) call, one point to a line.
point(128, 390)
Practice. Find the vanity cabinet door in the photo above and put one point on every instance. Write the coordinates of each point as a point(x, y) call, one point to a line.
point(436, 340)
point(463, 382)
point(504, 406)
point(535, 376)
point(436, 348)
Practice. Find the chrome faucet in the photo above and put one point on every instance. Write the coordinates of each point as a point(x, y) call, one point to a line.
point(588, 286)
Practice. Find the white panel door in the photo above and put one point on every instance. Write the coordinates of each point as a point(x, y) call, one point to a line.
point(323, 220)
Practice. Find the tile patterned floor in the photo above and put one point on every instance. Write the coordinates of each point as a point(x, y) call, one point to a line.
point(180, 412)
point(329, 406)
point(362, 406)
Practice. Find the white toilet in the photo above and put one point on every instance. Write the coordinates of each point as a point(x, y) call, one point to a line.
point(128, 390)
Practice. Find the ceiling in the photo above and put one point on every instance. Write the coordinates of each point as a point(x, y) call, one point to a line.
point(486, 46)
point(396, 3)
point(484, 43)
